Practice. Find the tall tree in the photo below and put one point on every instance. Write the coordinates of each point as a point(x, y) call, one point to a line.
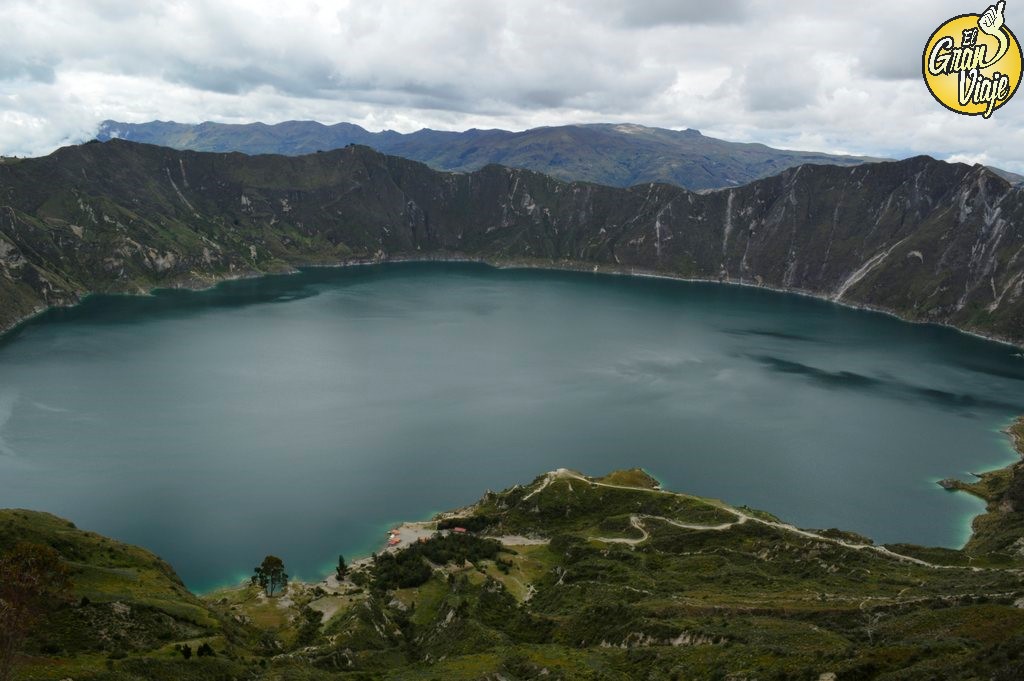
point(32, 578)
point(270, 575)
point(341, 570)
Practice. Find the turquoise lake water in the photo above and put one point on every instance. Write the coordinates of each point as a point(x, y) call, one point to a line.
point(301, 415)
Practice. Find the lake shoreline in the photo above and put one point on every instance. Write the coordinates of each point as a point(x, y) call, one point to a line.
point(203, 283)
point(982, 488)
point(410, 531)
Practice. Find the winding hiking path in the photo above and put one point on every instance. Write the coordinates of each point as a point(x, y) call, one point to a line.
point(741, 517)
point(637, 521)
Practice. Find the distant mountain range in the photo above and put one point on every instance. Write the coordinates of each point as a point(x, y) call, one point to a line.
point(616, 155)
point(928, 240)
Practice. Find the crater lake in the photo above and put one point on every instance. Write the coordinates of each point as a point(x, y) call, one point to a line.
point(302, 415)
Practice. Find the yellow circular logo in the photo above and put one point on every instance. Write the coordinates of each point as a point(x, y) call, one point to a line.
point(972, 63)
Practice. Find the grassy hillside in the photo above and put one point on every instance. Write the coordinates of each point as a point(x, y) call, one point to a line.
point(125, 601)
point(567, 577)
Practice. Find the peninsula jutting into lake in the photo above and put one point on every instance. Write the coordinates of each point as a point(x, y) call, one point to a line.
point(550, 579)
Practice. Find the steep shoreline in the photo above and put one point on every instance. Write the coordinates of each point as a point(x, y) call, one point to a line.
point(195, 283)
point(920, 239)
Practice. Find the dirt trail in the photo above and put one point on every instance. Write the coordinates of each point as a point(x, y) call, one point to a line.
point(517, 540)
point(635, 522)
point(741, 518)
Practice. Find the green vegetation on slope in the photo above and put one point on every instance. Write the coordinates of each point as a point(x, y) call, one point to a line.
point(412, 567)
point(568, 577)
point(125, 601)
point(999, 533)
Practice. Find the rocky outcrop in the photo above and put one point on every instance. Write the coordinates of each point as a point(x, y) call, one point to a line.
point(927, 240)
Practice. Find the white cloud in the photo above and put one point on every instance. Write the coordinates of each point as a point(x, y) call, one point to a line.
point(970, 159)
point(812, 75)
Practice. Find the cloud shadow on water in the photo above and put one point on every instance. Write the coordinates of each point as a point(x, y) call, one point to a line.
point(7, 402)
point(769, 333)
point(962, 403)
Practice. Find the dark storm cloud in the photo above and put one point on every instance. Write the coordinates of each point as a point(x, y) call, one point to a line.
point(306, 81)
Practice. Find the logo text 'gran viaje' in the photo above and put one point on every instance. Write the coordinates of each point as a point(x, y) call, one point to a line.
point(972, 63)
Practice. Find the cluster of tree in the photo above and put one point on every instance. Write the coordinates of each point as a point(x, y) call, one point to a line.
point(33, 579)
point(409, 568)
point(309, 629)
point(401, 570)
point(496, 608)
point(270, 575)
point(473, 523)
point(204, 650)
point(458, 548)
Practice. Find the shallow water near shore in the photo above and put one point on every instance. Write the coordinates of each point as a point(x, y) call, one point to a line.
point(300, 414)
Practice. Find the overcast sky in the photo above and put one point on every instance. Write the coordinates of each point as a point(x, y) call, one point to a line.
point(823, 75)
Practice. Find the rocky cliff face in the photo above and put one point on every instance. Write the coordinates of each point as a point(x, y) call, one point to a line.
point(927, 240)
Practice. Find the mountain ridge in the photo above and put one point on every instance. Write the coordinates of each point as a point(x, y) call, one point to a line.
point(924, 239)
point(606, 153)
